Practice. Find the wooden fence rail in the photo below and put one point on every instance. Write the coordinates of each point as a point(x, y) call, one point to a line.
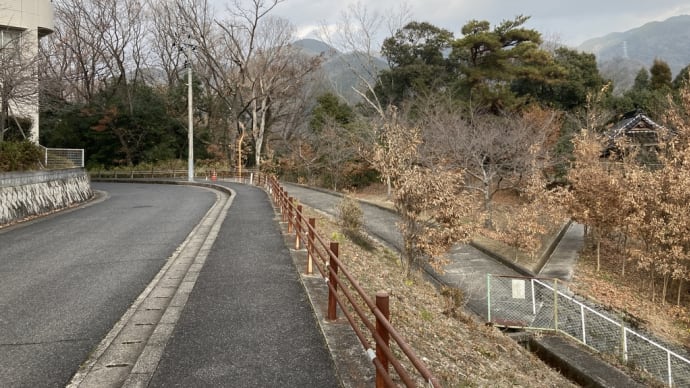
point(345, 292)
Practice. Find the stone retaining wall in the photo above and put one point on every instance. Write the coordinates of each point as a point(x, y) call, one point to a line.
point(28, 194)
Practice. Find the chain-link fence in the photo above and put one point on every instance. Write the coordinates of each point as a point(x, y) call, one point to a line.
point(539, 304)
point(59, 158)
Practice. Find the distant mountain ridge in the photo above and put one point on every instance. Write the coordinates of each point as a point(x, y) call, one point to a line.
point(315, 47)
point(621, 54)
point(342, 70)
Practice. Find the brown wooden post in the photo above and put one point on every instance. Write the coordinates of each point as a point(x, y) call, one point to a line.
point(310, 246)
point(333, 281)
point(298, 226)
point(283, 204)
point(382, 304)
point(290, 214)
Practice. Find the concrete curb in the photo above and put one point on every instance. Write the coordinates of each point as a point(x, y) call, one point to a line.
point(130, 352)
point(353, 367)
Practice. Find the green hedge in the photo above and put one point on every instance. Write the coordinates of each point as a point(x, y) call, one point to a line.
point(19, 156)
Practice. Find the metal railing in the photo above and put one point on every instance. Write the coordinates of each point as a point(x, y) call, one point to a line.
point(530, 303)
point(59, 158)
point(345, 292)
point(247, 176)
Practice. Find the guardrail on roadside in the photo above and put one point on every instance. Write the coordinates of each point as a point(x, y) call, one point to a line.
point(247, 176)
point(343, 290)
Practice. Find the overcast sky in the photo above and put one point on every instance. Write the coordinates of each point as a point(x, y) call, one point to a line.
point(571, 21)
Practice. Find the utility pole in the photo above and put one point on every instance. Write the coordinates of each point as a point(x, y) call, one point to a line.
point(190, 134)
point(186, 48)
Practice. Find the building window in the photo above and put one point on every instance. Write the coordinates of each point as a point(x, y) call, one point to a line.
point(10, 41)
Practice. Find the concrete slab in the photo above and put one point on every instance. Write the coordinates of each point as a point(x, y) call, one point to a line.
point(562, 262)
point(580, 365)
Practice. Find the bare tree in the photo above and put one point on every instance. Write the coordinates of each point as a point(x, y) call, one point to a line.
point(96, 43)
point(358, 35)
point(251, 66)
point(496, 152)
point(18, 78)
point(333, 150)
point(74, 53)
point(167, 31)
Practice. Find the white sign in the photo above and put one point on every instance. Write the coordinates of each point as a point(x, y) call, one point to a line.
point(518, 289)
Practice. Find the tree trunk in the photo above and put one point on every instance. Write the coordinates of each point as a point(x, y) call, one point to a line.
point(598, 254)
point(239, 154)
point(4, 114)
point(259, 133)
point(487, 205)
point(664, 288)
point(651, 271)
point(625, 252)
point(680, 291)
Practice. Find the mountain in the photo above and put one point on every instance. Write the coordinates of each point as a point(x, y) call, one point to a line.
point(315, 47)
point(342, 71)
point(621, 54)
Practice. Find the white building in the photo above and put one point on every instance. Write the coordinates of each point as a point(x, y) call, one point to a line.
point(22, 24)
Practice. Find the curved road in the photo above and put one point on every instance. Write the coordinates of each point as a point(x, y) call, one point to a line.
point(65, 280)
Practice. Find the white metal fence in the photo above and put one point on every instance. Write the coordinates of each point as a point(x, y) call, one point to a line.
point(58, 158)
point(531, 303)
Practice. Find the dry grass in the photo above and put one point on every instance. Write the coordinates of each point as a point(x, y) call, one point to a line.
point(631, 294)
point(460, 350)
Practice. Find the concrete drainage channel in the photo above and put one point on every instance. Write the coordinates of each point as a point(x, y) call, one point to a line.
point(129, 354)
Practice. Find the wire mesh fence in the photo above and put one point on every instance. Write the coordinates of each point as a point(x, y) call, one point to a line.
point(540, 304)
point(59, 158)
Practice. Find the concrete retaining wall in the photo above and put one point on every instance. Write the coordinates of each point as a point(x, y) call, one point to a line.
point(28, 194)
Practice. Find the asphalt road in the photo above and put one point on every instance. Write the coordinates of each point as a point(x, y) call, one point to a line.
point(248, 321)
point(65, 280)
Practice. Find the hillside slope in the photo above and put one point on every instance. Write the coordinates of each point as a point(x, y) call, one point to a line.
point(621, 54)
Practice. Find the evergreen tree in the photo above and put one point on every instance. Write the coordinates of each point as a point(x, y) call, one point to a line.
point(417, 56)
point(330, 109)
point(489, 61)
point(642, 81)
point(682, 77)
point(574, 75)
point(661, 75)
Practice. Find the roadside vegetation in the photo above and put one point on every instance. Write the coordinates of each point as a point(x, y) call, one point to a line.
point(457, 347)
point(19, 156)
point(490, 134)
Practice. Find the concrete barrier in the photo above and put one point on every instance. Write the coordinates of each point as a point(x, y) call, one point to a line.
point(26, 194)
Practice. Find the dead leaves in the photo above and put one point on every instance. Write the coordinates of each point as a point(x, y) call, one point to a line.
point(457, 348)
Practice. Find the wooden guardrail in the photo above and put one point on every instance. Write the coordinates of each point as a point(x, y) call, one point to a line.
point(345, 291)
